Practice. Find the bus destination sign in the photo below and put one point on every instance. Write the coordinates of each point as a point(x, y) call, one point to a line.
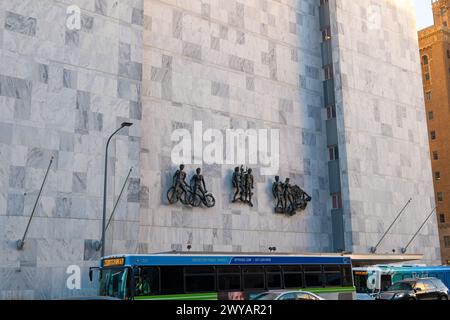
point(113, 262)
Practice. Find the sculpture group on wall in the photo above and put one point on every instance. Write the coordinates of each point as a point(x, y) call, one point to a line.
point(243, 182)
point(290, 198)
point(194, 193)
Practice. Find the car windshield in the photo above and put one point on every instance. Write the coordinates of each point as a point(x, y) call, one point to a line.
point(266, 296)
point(401, 286)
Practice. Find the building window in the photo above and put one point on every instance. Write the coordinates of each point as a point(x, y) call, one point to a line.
point(430, 115)
point(447, 241)
point(337, 201)
point(440, 196)
point(333, 153)
point(442, 218)
point(435, 155)
point(326, 34)
point(448, 54)
point(328, 70)
point(427, 76)
point(437, 175)
point(428, 96)
point(331, 112)
point(433, 135)
point(425, 60)
point(445, 24)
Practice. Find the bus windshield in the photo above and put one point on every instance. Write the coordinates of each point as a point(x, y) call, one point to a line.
point(113, 282)
point(360, 279)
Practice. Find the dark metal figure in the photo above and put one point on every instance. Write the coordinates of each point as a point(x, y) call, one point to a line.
point(277, 191)
point(248, 187)
point(237, 183)
point(199, 193)
point(180, 188)
point(289, 198)
point(243, 181)
point(198, 183)
point(193, 194)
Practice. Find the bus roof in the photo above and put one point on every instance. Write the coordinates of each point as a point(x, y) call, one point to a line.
point(177, 259)
point(406, 268)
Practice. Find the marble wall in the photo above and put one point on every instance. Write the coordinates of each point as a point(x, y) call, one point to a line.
point(253, 64)
point(233, 65)
point(62, 92)
point(382, 127)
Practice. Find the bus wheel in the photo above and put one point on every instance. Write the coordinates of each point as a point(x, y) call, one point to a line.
point(444, 298)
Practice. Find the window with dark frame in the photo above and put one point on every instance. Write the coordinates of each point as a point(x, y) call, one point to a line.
point(433, 135)
point(172, 280)
point(313, 276)
point(336, 201)
point(332, 275)
point(254, 277)
point(293, 277)
point(333, 153)
point(331, 112)
point(273, 277)
point(447, 241)
point(229, 278)
point(435, 155)
point(437, 176)
point(442, 218)
point(440, 196)
point(200, 279)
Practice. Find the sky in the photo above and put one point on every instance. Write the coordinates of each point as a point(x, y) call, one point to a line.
point(424, 13)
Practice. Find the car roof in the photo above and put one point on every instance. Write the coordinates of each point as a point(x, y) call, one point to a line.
point(287, 291)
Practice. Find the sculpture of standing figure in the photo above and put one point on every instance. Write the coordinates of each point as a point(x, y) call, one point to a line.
point(180, 188)
point(278, 193)
point(237, 183)
point(199, 193)
point(243, 182)
point(248, 186)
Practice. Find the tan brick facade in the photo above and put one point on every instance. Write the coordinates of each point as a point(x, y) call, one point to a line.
point(434, 45)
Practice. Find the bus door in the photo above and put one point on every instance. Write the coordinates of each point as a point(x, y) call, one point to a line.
point(386, 281)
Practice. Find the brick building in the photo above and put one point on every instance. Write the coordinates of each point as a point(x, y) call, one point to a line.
point(434, 43)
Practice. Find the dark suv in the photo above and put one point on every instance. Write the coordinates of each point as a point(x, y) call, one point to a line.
point(416, 289)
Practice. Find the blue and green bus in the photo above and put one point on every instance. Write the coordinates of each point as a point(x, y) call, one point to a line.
point(223, 277)
point(369, 281)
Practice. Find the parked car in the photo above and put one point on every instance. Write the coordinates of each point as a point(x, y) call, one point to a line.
point(416, 289)
point(287, 295)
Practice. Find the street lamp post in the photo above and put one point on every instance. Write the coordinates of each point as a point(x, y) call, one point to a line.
point(102, 244)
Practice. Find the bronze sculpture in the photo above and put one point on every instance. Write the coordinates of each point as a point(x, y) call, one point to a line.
point(243, 181)
point(179, 190)
point(290, 198)
point(193, 194)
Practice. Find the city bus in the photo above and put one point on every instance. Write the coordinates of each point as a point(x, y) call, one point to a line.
point(222, 277)
point(369, 281)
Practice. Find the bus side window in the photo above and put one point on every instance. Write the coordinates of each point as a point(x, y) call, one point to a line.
point(146, 281)
point(229, 278)
point(347, 279)
point(172, 280)
point(200, 279)
point(386, 281)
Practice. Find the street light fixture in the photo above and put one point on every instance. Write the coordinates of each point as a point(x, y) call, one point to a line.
point(102, 244)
